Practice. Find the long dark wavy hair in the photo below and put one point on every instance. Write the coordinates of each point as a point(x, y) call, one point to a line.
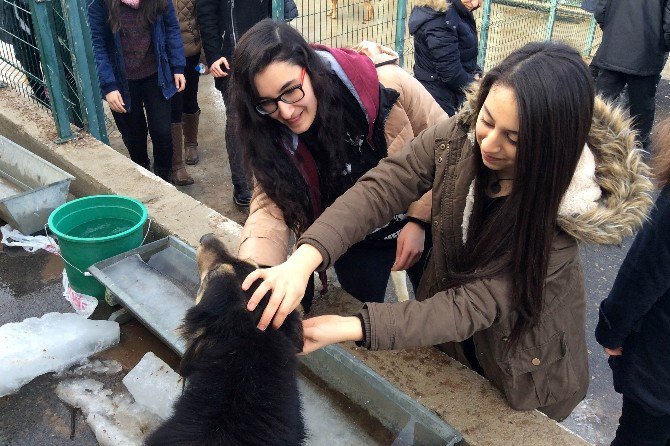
point(555, 99)
point(261, 136)
point(149, 11)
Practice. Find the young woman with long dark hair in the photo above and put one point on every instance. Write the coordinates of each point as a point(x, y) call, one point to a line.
point(515, 186)
point(140, 61)
point(633, 325)
point(313, 120)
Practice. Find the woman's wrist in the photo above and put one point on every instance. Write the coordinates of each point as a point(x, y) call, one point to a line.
point(352, 328)
point(307, 258)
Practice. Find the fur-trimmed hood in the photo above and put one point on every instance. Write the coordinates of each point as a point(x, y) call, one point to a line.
point(616, 167)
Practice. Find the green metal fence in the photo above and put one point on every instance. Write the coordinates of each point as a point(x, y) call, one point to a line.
point(45, 54)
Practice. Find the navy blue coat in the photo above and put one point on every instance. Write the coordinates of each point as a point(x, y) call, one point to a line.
point(636, 315)
point(445, 52)
point(108, 52)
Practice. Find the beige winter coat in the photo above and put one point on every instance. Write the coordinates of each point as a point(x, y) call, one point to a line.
point(265, 236)
point(549, 369)
point(190, 33)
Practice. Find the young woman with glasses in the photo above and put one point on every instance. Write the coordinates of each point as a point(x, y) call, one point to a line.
point(313, 120)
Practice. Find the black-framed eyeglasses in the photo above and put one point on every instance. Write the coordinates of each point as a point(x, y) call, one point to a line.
point(290, 96)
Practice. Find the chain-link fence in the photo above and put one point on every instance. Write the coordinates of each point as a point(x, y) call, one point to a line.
point(20, 66)
point(504, 25)
point(46, 55)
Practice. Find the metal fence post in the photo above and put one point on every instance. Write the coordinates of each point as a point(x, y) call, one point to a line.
point(588, 45)
point(86, 76)
point(401, 18)
point(52, 66)
point(551, 19)
point(484, 33)
point(277, 9)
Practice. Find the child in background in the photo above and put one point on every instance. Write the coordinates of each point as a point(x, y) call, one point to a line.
point(634, 320)
point(140, 62)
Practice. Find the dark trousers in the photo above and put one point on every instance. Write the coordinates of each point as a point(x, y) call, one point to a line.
point(637, 427)
point(641, 96)
point(238, 172)
point(363, 271)
point(187, 100)
point(146, 94)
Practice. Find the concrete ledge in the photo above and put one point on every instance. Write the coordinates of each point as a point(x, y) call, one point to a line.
point(99, 169)
point(461, 397)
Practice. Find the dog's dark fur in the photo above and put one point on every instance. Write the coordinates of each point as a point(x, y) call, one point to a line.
point(241, 385)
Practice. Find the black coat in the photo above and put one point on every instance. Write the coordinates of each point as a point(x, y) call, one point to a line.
point(636, 315)
point(222, 23)
point(445, 52)
point(636, 34)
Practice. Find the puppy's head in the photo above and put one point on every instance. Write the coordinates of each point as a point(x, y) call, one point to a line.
point(221, 302)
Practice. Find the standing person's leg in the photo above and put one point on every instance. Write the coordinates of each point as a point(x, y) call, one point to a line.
point(642, 99)
point(180, 176)
point(238, 173)
point(610, 83)
point(637, 427)
point(191, 110)
point(158, 117)
point(133, 126)
point(363, 271)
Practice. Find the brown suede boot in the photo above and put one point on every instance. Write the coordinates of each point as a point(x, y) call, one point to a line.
point(179, 175)
point(191, 121)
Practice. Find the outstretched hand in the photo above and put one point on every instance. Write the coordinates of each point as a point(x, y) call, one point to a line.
point(286, 281)
point(329, 329)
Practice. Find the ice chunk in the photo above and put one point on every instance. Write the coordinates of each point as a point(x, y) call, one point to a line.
point(114, 418)
point(154, 384)
point(51, 343)
point(101, 367)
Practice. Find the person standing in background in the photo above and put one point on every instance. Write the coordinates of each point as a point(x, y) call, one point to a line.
point(185, 109)
point(140, 62)
point(636, 38)
point(222, 23)
point(445, 49)
point(633, 325)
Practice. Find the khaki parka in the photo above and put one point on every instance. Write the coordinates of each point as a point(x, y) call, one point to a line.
point(188, 25)
point(549, 368)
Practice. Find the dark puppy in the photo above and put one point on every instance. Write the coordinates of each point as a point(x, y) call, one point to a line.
point(241, 385)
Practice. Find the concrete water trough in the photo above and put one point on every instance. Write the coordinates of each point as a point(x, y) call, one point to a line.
point(30, 187)
point(345, 402)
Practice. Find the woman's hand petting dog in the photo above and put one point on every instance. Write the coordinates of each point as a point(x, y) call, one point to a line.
point(330, 329)
point(287, 282)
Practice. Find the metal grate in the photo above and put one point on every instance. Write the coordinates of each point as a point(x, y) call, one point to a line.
point(20, 65)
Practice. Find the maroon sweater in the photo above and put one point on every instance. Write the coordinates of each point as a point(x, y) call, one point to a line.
point(139, 55)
